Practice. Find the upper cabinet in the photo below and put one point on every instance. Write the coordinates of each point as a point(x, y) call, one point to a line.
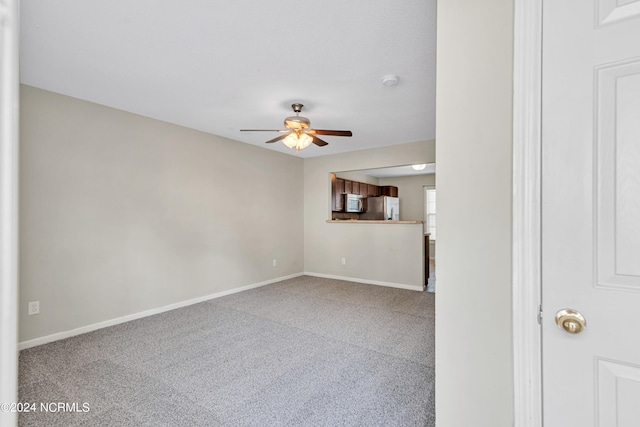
point(337, 190)
point(389, 190)
point(355, 187)
point(372, 190)
point(348, 187)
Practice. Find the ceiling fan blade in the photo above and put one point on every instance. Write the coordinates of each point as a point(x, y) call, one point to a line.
point(264, 130)
point(331, 132)
point(318, 141)
point(276, 139)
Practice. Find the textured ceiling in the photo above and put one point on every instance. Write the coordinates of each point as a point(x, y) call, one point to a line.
point(220, 66)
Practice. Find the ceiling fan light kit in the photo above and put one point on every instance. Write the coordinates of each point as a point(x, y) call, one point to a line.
point(300, 135)
point(297, 140)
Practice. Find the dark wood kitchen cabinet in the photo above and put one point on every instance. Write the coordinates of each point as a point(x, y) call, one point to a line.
point(389, 190)
point(337, 190)
point(372, 190)
point(348, 186)
point(355, 187)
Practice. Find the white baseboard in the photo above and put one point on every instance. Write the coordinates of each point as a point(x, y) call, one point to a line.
point(366, 281)
point(84, 329)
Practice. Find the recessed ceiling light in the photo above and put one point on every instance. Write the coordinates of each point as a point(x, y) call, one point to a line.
point(390, 80)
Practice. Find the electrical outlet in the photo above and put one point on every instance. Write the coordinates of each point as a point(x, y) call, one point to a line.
point(33, 308)
point(344, 261)
point(275, 262)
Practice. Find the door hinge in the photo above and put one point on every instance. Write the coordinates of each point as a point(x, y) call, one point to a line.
point(540, 314)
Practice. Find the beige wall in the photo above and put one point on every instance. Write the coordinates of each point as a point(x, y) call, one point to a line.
point(473, 300)
point(122, 214)
point(383, 253)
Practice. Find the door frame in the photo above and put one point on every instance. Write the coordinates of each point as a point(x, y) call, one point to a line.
point(9, 86)
point(527, 213)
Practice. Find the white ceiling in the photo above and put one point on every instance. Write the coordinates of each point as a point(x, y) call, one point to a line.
point(398, 171)
point(223, 65)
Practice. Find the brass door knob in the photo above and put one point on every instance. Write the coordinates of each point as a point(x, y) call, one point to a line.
point(571, 321)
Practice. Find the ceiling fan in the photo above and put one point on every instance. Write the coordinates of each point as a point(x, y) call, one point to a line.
point(298, 134)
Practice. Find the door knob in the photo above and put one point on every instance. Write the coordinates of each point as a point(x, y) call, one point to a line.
point(570, 320)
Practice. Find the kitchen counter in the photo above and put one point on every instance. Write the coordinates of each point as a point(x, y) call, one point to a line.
point(361, 221)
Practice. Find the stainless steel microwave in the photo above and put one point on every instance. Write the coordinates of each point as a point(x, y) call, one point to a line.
point(353, 203)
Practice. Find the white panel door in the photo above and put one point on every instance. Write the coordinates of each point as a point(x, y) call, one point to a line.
point(591, 211)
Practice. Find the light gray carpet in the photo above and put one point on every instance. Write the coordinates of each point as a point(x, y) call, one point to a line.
point(301, 352)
